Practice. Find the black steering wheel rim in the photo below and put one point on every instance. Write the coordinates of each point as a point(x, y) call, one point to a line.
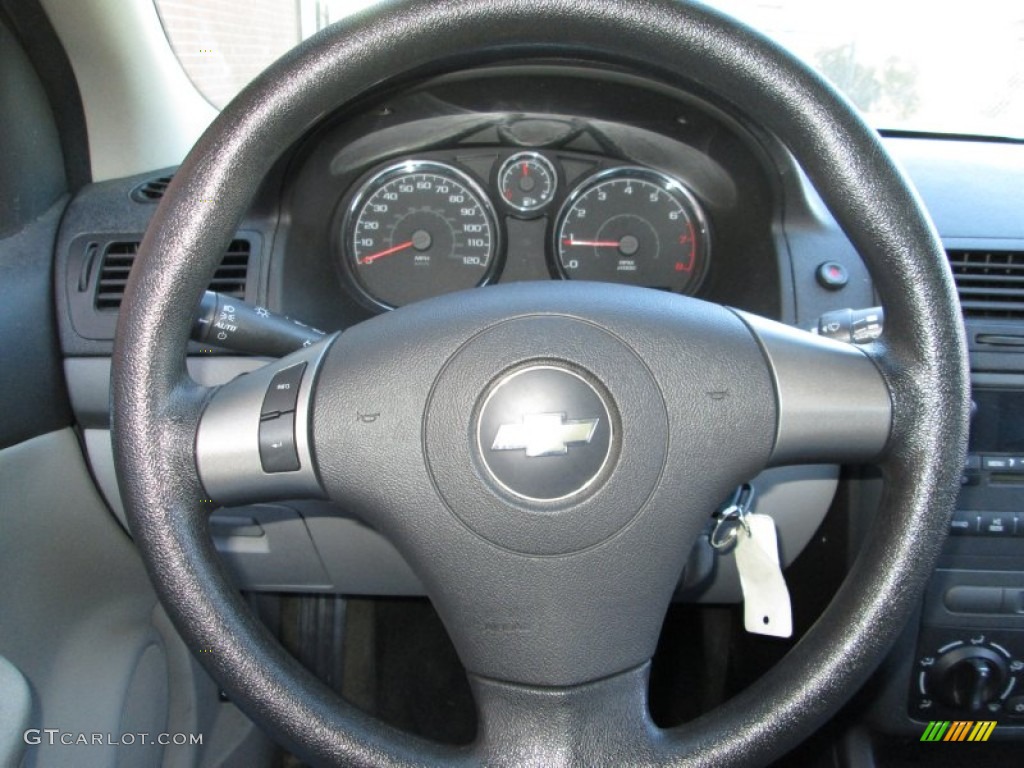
point(923, 358)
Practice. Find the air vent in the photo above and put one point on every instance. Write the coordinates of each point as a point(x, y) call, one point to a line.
point(151, 191)
point(118, 258)
point(990, 283)
point(117, 263)
point(229, 278)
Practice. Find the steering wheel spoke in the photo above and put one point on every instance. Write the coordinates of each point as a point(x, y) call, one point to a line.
point(253, 440)
point(604, 722)
point(833, 403)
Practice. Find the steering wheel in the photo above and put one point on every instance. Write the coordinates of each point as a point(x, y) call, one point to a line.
point(544, 455)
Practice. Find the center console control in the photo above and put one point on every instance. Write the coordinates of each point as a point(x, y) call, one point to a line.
point(968, 674)
point(986, 523)
point(968, 658)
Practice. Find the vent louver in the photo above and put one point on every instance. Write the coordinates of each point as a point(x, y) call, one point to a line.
point(990, 283)
point(118, 258)
point(151, 191)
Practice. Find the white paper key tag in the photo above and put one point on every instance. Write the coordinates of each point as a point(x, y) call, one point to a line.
point(766, 606)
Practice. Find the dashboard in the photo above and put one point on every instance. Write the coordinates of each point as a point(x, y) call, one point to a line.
point(424, 226)
point(471, 180)
point(554, 171)
point(562, 172)
point(465, 181)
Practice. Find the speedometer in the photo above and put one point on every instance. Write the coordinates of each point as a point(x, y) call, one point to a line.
point(634, 226)
point(419, 229)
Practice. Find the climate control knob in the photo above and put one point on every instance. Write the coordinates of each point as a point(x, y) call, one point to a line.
point(968, 677)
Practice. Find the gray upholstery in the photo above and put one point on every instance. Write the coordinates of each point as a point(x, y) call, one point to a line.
point(15, 713)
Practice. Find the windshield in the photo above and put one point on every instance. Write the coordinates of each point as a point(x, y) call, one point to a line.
point(947, 68)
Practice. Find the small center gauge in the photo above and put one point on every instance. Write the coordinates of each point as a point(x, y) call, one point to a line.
point(527, 181)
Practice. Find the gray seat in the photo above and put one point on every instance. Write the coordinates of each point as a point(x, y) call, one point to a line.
point(15, 711)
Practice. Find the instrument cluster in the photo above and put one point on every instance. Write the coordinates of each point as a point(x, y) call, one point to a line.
point(429, 225)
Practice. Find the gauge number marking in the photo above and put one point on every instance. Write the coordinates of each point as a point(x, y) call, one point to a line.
point(419, 229)
point(634, 226)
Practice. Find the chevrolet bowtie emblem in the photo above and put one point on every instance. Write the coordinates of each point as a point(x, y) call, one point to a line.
point(544, 434)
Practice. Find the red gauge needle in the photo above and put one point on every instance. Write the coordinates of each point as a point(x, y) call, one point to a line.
point(595, 243)
point(381, 254)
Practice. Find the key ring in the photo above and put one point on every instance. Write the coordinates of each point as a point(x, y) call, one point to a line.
point(735, 520)
point(735, 515)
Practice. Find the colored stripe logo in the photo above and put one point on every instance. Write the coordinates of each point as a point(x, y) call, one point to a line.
point(958, 730)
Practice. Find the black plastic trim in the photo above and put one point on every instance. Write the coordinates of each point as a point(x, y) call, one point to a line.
point(29, 22)
point(34, 397)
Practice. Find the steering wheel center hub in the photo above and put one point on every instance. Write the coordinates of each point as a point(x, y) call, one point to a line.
point(545, 433)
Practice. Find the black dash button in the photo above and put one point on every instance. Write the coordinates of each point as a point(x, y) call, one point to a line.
point(832, 275)
point(996, 523)
point(277, 444)
point(963, 523)
point(283, 392)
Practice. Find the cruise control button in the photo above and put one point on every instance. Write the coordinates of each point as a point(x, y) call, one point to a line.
point(277, 444)
point(283, 391)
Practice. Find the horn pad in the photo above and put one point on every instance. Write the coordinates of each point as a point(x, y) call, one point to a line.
point(545, 434)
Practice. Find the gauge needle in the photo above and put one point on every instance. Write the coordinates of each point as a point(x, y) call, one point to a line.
point(381, 254)
point(594, 243)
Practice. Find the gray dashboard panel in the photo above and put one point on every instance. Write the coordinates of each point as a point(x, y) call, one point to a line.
point(88, 380)
point(312, 546)
point(797, 498)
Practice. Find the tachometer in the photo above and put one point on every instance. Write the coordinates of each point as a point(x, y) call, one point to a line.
point(419, 229)
point(634, 226)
